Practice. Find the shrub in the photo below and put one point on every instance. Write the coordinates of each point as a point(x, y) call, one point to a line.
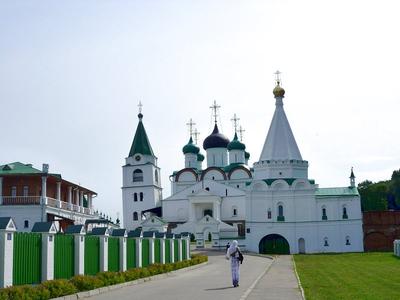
point(59, 287)
point(28, 292)
point(110, 278)
point(86, 282)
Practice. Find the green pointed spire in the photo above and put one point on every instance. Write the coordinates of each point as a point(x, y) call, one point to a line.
point(141, 142)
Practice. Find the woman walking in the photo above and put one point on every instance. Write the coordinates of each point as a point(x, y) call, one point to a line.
point(233, 254)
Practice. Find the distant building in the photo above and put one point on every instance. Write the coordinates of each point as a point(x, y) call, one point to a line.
point(29, 195)
point(272, 207)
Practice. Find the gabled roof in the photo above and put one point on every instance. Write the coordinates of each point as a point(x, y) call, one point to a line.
point(141, 142)
point(44, 227)
point(7, 223)
point(338, 191)
point(71, 229)
point(18, 168)
point(135, 233)
point(280, 142)
point(100, 231)
point(157, 221)
point(119, 232)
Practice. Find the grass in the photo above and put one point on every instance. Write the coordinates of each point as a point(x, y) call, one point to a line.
point(350, 276)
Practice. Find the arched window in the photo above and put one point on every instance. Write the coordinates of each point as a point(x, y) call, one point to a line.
point(207, 189)
point(348, 241)
point(156, 176)
point(324, 216)
point(208, 212)
point(326, 242)
point(344, 215)
point(137, 175)
point(141, 196)
point(135, 197)
point(269, 213)
point(135, 216)
point(280, 217)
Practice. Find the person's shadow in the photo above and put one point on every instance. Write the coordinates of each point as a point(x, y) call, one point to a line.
point(219, 289)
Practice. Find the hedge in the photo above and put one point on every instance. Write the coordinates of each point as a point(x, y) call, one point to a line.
point(62, 287)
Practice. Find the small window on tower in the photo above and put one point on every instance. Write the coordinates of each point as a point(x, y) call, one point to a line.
point(137, 175)
point(135, 197)
point(26, 224)
point(141, 196)
point(156, 176)
point(135, 216)
point(269, 214)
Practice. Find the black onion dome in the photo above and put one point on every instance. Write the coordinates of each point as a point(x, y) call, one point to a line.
point(215, 140)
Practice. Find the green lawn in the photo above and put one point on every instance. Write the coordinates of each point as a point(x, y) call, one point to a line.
point(349, 276)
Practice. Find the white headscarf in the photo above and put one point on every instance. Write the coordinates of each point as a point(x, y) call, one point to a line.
point(232, 248)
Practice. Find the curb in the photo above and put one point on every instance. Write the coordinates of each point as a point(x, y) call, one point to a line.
point(106, 289)
point(298, 279)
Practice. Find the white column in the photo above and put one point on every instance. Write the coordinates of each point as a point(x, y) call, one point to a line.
point(192, 215)
point(172, 247)
point(151, 256)
point(162, 250)
point(47, 256)
point(180, 249)
point(81, 201)
point(44, 189)
point(59, 193)
point(103, 253)
point(122, 254)
point(216, 214)
point(1, 190)
point(188, 247)
point(139, 252)
point(79, 240)
point(89, 199)
point(6, 258)
point(76, 198)
point(70, 197)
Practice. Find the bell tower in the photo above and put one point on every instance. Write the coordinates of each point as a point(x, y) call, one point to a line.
point(141, 188)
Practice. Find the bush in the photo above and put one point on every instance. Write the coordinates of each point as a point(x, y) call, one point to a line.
point(28, 292)
point(63, 287)
point(86, 282)
point(59, 287)
point(110, 278)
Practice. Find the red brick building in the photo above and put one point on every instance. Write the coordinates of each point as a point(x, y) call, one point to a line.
point(381, 228)
point(29, 195)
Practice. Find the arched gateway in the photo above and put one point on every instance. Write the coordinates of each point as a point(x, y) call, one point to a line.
point(274, 244)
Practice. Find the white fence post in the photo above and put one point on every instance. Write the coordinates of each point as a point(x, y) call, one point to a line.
point(161, 236)
point(78, 231)
point(7, 229)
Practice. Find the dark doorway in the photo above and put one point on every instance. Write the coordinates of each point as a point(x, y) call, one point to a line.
point(274, 244)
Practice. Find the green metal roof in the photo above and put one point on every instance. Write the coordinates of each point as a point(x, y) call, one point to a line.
point(338, 191)
point(18, 168)
point(235, 144)
point(190, 147)
point(200, 157)
point(141, 142)
point(246, 155)
point(4, 222)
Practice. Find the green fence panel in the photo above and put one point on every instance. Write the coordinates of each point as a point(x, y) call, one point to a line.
point(64, 256)
point(131, 253)
point(167, 251)
point(113, 254)
point(176, 253)
point(27, 258)
point(145, 252)
point(92, 255)
point(184, 250)
point(157, 250)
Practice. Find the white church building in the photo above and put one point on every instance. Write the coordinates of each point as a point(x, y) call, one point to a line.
point(272, 207)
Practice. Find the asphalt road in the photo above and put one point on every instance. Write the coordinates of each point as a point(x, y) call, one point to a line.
point(212, 281)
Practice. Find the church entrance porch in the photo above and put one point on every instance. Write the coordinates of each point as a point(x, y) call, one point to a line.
point(274, 244)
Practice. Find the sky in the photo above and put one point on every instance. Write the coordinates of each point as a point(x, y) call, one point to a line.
point(72, 74)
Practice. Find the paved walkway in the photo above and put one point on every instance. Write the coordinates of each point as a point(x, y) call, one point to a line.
point(213, 281)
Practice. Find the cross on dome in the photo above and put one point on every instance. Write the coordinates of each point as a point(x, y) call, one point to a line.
point(196, 134)
point(215, 108)
point(278, 77)
point(241, 130)
point(190, 125)
point(235, 121)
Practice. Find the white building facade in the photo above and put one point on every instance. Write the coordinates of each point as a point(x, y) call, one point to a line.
point(271, 208)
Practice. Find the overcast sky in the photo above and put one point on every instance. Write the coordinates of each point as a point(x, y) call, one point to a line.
point(72, 73)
